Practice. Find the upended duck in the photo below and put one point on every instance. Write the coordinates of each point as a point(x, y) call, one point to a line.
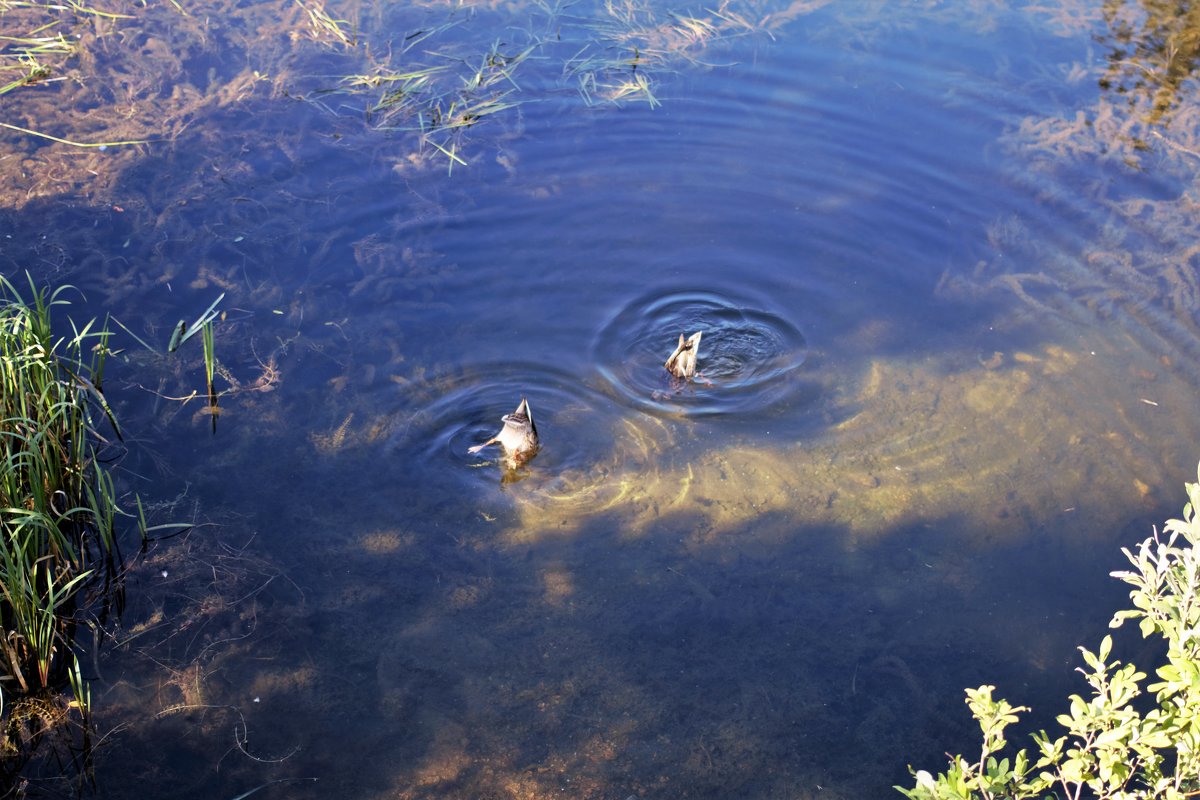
point(518, 437)
point(682, 363)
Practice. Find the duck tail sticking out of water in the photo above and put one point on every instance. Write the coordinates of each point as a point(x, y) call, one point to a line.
point(682, 363)
point(523, 417)
point(518, 437)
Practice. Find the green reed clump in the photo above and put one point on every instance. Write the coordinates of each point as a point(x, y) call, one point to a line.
point(58, 505)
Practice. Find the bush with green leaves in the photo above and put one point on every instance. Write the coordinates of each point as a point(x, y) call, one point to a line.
point(1112, 747)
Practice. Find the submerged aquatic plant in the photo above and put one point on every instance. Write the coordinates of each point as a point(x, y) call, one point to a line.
point(58, 505)
point(32, 56)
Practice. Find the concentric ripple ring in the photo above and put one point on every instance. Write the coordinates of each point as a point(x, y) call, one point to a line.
point(750, 355)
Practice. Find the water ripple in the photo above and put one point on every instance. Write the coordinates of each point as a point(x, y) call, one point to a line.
point(750, 355)
point(453, 413)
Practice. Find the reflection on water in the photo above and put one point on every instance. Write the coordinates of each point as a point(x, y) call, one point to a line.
point(466, 411)
point(948, 367)
point(1153, 54)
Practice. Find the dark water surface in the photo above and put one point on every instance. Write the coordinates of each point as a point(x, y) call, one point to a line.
point(948, 301)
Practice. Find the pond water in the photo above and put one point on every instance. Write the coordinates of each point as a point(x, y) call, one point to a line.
point(943, 259)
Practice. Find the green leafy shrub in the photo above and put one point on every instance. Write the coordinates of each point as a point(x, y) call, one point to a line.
point(1112, 748)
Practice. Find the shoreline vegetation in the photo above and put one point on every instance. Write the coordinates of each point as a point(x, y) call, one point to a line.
point(68, 530)
point(1123, 738)
point(60, 561)
point(62, 571)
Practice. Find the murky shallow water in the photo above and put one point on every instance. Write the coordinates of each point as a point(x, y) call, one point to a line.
point(950, 368)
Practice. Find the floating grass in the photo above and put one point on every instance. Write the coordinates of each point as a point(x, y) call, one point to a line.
point(635, 45)
point(413, 39)
point(450, 154)
point(694, 30)
point(636, 86)
point(69, 5)
point(612, 80)
point(36, 72)
point(497, 67)
point(26, 54)
point(463, 113)
point(442, 100)
point(402, 93)
point(325, 26)
point(440, 93)
point(59, 556)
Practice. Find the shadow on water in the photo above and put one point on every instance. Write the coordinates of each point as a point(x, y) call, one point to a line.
point(736, 621)
point(763, 658)
point(909, 475)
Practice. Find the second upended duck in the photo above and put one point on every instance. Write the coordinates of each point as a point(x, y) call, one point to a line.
point(682, 363)
point(518, 437)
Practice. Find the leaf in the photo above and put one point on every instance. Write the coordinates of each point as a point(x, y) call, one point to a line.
point(1157, 739)
point(98, 395)
point(139, 339)
point(1168, 673)
point(200, 322)
point(1051, 751)
point(1073, 770)
point(1119, 618)
point(176, 337)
